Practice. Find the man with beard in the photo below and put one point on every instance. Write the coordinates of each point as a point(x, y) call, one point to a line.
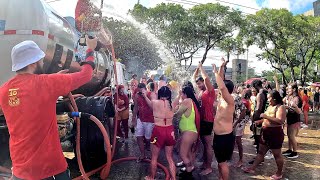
point(206, 98)
point(28, 101)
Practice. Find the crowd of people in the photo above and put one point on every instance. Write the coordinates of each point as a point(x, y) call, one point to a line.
point(214, 116)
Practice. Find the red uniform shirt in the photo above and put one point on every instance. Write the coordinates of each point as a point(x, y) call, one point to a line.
point(124, 98)
point(28, 102)
point(145, 112)
point(206, 110)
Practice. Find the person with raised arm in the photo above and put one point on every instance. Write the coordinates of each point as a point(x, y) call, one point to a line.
point(163, 131)
point(206, 99)
point(223, 142)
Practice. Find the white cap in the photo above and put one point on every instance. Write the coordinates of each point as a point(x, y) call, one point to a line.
point(24, 54)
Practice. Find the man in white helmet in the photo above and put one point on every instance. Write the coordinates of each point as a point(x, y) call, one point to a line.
point(28, 101)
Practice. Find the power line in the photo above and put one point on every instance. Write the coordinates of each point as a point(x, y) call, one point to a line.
point(194, 3)
point(227, 3)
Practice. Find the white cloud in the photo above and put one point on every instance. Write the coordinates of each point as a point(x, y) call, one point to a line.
point(276, 4)
point(292, 5)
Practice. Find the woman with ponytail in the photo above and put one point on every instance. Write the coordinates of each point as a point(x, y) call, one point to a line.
point(163, 131)
point(189, 125)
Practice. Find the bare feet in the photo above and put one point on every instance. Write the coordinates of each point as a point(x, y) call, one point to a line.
point(206, 171)
point(276, 177)
point(248, 170)
point(238, 164)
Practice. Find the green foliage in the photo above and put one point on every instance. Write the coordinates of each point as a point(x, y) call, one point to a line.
point(184, 32)
point(285, 40)
point(131, 45)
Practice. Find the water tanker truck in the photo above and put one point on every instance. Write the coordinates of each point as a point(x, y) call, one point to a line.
point(61, 40)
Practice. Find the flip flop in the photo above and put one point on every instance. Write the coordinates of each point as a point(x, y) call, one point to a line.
point(180, 164)
point(248, 170)
point(238, 165)
point(275, 177)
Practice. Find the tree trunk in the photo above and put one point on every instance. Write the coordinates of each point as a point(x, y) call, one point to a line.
point(293, 78)
point(204, 57)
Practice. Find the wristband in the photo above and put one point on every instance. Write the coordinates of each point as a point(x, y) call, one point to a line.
point(91, 53)
point(88, 62)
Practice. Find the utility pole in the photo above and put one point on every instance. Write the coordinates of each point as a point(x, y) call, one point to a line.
point(138, 2)
point(247, 69)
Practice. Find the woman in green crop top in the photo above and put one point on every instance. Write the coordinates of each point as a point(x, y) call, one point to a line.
point(187, 111)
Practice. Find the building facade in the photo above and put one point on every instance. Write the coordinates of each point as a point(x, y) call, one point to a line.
point(316, 8)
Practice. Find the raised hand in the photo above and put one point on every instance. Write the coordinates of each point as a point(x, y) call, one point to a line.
point(224, 62)
point(199, 65)
point(275, 78)
point(214, 67)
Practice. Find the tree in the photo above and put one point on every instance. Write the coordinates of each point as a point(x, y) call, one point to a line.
point(231, 45)
point(214, 23)
point(185, 32)
point(170, 23)
point(133, 47)
point(286, 40)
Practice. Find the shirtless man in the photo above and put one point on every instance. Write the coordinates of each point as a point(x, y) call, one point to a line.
point(163, 131)
point(223, 142)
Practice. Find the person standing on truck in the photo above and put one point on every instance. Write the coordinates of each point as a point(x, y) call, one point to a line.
point(28, 101)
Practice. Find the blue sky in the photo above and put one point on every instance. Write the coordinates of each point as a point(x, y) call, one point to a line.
point(295, 6)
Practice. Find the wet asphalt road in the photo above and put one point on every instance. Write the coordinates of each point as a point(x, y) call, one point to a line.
point(307, 166)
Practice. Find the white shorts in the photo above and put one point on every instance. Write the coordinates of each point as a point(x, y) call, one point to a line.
point(239, 130)
point(144, 129)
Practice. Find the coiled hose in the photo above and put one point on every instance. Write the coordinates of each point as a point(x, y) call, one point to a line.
point(105, 169)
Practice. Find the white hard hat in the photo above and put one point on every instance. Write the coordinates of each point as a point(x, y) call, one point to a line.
point(24, 54)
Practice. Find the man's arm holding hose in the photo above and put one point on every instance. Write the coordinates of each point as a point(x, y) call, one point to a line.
point(85, 75)
point(61, 84)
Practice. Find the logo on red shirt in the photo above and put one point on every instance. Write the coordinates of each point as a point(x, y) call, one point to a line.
point(13, 97)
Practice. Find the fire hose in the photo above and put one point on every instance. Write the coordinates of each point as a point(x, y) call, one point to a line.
point(105, 169)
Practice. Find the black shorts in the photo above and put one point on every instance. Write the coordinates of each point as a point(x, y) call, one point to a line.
point(272, 137)
point(223, 146)
point(206, 128)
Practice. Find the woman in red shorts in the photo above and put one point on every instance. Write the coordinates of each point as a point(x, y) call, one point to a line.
point(272, 133)
point(163, 131)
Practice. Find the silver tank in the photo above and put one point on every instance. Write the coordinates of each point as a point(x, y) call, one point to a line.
point(35, 20)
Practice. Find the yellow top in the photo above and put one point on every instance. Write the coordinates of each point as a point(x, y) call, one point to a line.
point(188, 123)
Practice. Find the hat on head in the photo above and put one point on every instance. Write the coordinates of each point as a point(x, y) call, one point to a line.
point(24, 54)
